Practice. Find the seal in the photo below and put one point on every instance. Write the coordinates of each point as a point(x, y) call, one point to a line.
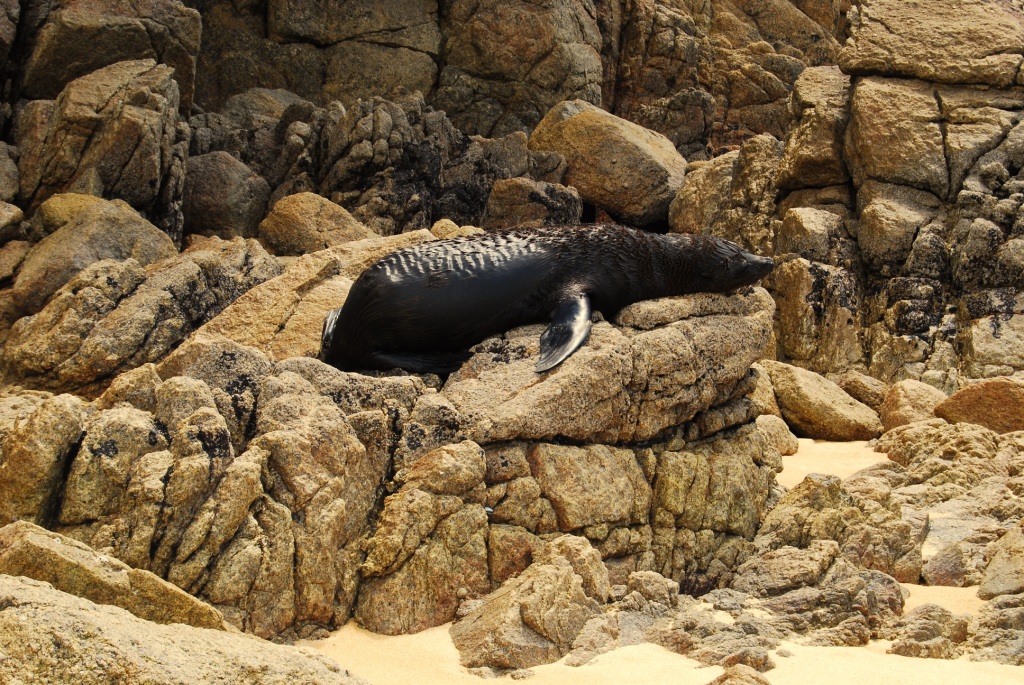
point(421, 308)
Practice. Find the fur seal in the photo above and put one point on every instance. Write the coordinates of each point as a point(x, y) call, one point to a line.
point(421, 308)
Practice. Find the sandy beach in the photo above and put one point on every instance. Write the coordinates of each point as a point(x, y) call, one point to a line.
point(430, 658)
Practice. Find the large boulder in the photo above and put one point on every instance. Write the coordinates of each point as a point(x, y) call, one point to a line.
point(117, 315)
point(663, 363)
point(908, 401)
point(81, 36)
point(1005, 572)
point(815, 407)
point(996, 403)
point(223, 197)
point(68, 639)
point(629, 171)
point(113, 132)
point(307, 222)
point(104, 230)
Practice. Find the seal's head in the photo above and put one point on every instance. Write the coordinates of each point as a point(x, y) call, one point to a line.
point(327, 336)
point(728, 266)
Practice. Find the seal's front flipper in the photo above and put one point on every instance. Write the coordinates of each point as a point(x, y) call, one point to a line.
point(569, 328)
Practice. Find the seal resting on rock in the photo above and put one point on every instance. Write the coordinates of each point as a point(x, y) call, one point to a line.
point(422, 307)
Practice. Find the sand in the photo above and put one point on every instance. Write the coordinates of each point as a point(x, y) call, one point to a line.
point(429, 658)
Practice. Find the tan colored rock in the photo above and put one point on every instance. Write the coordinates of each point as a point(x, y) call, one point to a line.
point(307, 222)
point(763, 394)
point(115, 315)
point(71, 567)
point(1005, 572)
point(112, 133)
point(814, 150)
point(102, 230)
point(891, 216)
point(818, 314)
point(740, 675)
point(994, 345)
point(895, 136)
point(785, 569)
point(908, 401)
point(525, 203)
point(284, 317)
point(36, 453)
point(11, 227)
point(586, 563)
point(818, 408)
point(68, 639)
point(59, 210)
point(532, 619)
point(11, 256)
point(930, 631)
point(862, 388)
point(811, 233)
point(629, 171)
point(962, 42)
point(83, 36)
point(425, 590)
point(996, 403)
point(777, 434)
point(449, 470)
point(591, 485)
point(590, 396)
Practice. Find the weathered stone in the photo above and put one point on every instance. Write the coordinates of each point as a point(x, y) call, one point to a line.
point(814, 150)
point(525, 203)
point(74, 568)
point(507, 63)
point(36, 454)
point(113, 133)
point(70, 639)
point(223, 197)
point(816, 234)
point(125, 316)
point(591, 485)
point(999, 635)
point(862, 388)
point(818, 408)
point(58, 210)
point(777, 434)
point(12, 254)
point(740, 675)
point(589, 397)
point(786, 568)
point(908, 401)
point(284, 317)
point(818, 309)
point(448, 470)
point(103, 230)
point(624, 169)
point(964, 42)
point(930, 631)
point(306, 222)
point(1005, 572)
point(532, 619)
point(422, 584)
point(894, 135)
point(996, 403)
point(891, 217)
point(82, 36)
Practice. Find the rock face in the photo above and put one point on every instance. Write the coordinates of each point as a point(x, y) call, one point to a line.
point(112, 132)
point(72, 639)
point(80, 37)
point(624, 169)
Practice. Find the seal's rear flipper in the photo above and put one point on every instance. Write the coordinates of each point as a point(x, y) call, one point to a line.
point(569, 328)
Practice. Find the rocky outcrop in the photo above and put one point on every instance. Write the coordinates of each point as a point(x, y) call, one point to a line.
point(73, 639)
point(113, 132)
point(305, 222)
point(908, 401)
point(116, 315)
point(103, 230)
